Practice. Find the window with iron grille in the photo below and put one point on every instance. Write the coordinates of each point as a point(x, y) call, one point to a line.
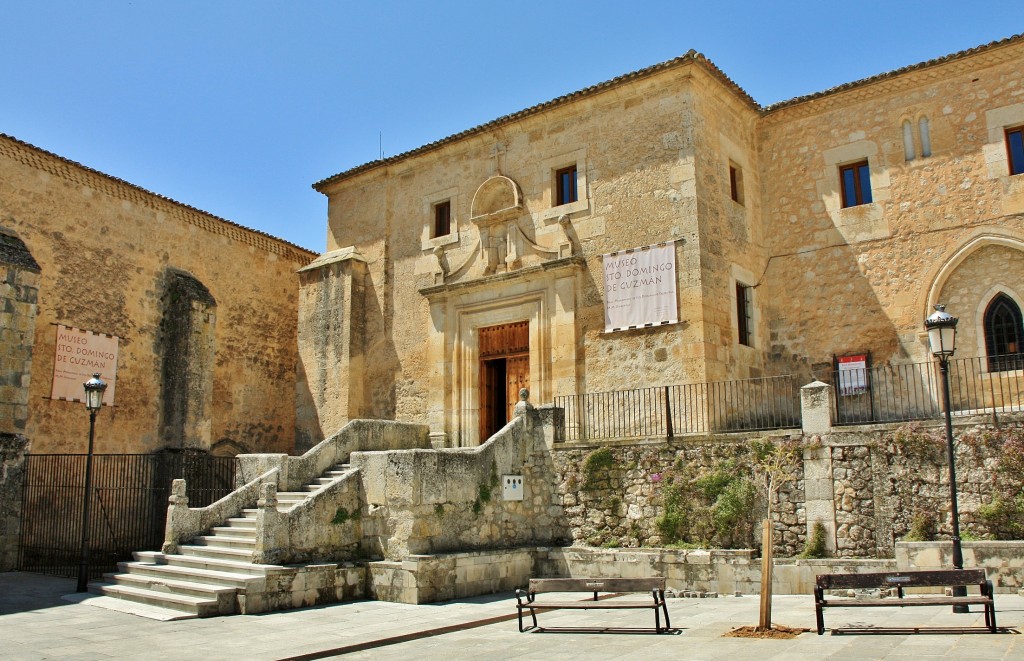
point(855, 183)
point(565, 186)
point(1004, 331)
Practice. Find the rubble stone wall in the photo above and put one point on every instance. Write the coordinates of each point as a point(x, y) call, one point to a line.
point(883, 478)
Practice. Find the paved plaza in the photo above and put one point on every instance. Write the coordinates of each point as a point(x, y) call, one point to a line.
point(38, 622)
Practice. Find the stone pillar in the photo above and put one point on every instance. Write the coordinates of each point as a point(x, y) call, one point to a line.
point(271, 528)
point(13, 448)
point(816, 408)
point(332, 319)
point(178, 517)
point(19, 291)
point(819, 495)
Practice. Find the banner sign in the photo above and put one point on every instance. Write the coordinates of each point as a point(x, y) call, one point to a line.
point(853, 374)
point(640, 287)
point(79, 354)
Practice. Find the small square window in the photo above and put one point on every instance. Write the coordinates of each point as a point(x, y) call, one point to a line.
point(855, 182)
point(442, 219)
point(745, 314)
point(565, 186)
point(735, 183)
point(1015, 149)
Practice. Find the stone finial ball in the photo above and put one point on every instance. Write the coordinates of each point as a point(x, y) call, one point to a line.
point(524, 394)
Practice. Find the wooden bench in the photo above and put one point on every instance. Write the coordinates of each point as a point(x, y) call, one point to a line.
point(656, 586)
point(901, 580)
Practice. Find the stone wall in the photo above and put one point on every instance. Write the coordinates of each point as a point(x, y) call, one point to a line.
point(13, 448)
point(869, 486)
point(619, 506)
point(430, 501)
point(108, 253)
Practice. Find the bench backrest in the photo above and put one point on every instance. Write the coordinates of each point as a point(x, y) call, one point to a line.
point(596, 584)
point(910, 579)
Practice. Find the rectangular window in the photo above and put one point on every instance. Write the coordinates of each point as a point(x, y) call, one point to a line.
point(745, 314)
point(565, 185)
point(1015, 149)
point(855, 180)
point(442, 219)
point(735, 183)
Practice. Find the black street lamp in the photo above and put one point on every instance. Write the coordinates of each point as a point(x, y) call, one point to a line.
point(94, 389)
point(941, 328)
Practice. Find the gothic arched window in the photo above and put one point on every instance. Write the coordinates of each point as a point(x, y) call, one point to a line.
point(1004, 333)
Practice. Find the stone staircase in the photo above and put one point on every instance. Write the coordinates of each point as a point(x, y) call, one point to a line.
point(214, 574)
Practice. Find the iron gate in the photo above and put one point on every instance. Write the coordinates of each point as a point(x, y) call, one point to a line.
point(128, 506)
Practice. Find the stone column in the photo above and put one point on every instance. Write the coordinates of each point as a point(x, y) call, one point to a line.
point(19, 291)
point(13, 448)
point(819, 496)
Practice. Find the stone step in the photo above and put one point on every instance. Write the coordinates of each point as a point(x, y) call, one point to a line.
point(231, 579)
point(201, 607)
point(233, 532)
point(292, 496)
point(250, 514)
point(224, 594)
point(216, 552)
point(217, 564)
point(242, 524)
point(225, 541)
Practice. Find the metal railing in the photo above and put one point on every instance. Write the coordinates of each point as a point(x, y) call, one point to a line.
point(129, 505)
point(913, 391)
point(666, 411)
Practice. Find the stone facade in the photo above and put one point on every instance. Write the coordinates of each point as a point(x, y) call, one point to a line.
point(120, 260)
point(749, 197)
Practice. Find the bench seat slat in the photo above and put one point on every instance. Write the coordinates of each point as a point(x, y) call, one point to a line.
point(590, 604)
point(908, 601)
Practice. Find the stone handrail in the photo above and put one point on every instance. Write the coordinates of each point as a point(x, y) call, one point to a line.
point(356, 435)
point(184, 522)
point(325, 527)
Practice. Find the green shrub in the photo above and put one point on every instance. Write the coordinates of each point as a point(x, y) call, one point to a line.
point(595, 465)
point(340, 516)
point(815, 545)
point(922, 528)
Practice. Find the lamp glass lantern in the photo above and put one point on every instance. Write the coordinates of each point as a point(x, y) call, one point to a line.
point(94, 389)
point(941, 328)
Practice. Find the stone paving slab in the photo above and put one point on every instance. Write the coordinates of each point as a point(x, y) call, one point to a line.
point(36, 623)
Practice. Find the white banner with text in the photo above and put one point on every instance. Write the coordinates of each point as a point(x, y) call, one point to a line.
point(640, 287)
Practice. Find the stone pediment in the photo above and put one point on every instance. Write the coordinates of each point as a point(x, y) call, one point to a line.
point(496, 199)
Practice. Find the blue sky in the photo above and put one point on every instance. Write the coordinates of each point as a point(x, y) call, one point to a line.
point(237, 106)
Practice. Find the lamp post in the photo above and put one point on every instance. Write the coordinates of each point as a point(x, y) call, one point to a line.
point(941, 328)
point(94, 389)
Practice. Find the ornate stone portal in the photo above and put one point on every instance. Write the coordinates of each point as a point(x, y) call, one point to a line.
point(510, 280)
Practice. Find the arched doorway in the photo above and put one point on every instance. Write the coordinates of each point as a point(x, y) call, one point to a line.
point(504, 369)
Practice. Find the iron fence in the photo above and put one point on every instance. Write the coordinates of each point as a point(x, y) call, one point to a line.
point(666, 411)
point(913, 391)
point(128, 505)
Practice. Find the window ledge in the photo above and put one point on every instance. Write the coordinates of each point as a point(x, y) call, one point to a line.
point(563, 210)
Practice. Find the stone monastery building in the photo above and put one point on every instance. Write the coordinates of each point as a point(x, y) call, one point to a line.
point(826, 225)
point(459, 272)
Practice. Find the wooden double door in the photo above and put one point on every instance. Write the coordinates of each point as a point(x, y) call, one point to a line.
point(504, 370)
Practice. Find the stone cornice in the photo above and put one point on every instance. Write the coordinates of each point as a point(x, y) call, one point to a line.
point(442, 291)
point(77, 173)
